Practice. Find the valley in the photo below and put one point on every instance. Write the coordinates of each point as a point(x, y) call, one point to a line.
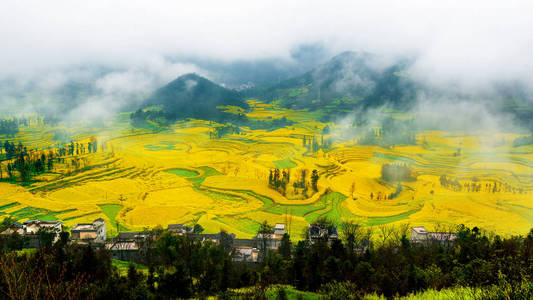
point(145, 178)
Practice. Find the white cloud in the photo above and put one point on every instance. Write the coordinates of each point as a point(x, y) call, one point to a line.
point(478, 38)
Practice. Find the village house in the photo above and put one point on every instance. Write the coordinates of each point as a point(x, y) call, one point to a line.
point(213, 237)
point(33, 226)
point(89, 233)
point(31, 229)
point(272, 240)
point(421, 235)
point(14, 228)
point(245, 250)
point(279, 229)
point(130, 246)
point(179, 229)
point(124, 250)
point(322, 231)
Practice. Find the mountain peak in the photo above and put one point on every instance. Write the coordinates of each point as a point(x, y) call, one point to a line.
point(193, 96)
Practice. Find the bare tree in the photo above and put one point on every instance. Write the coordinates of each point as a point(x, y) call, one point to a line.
point(385, 232)
point(400, 231)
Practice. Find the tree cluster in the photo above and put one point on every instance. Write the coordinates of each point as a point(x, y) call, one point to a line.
point(9, 127)
point(76, 148)
point(523, 141)
point(312, 143)
point(30, 164)
point(26, 163)
point(218, 132)
point(280, 180)
point(11, 150)
point(183, 267)
point(476, 187)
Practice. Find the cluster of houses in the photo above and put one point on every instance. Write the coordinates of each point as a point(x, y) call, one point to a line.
point(130, 245)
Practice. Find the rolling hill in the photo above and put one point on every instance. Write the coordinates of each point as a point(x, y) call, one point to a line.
point(347, 81)
point(190, 96)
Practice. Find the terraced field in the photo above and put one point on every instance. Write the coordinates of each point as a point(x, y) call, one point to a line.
point(148, 178)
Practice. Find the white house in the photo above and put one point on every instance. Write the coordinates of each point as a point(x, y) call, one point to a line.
point(89, 232)
point(421, 235)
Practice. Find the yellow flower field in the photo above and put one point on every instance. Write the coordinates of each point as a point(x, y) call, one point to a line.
point(179, 174)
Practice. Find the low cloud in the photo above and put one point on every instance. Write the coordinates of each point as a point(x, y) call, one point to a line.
point(126, 48)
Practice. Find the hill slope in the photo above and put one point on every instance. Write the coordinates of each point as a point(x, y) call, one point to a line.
point(348, 80)
point(192, 96)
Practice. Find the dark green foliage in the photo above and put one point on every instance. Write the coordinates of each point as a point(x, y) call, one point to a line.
point(9, 127)
point(523, 141)
point(285, 247)
point(396, 192)
point(26, 163)
point(348, 81)
point(278, 180)
point(499, 268)
point(223, 130)
point(191, 96)
point(314, 180)
point(198, 228)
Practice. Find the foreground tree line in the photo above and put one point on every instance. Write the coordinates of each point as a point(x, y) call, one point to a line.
point(182, 267)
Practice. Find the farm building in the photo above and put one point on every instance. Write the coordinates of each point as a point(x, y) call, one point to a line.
point(245, 250)
point(179, 229)
point(272, 240)
point(124, 250)
point(130, 246)
point(279, 229)
point(32, 228)
point(322, 231)
point(421, 235)
point(215, 238)
point(94, 232)
point(14, 228)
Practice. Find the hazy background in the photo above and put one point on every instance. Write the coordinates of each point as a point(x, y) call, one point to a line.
point(112, 54)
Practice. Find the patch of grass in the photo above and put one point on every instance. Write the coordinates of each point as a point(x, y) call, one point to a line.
point(286, 163)
point(267, 201)
point(208, 171)
point(273, 292)
point(336, 212)
point(26, 251)
point(123, 266)
point(111, 212)
point(372, 221)
point(296, 210)
point(183, 172)
point(28, 212)
point(162, 146)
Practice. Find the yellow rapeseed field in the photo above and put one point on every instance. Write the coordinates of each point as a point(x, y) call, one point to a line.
point(145, 179)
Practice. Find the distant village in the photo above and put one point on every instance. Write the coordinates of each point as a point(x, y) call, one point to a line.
point(130, 246)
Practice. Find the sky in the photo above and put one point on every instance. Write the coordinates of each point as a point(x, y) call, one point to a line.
point(466, 43)
point(447, 34)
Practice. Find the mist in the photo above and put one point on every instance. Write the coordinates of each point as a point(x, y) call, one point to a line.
point(115, 54)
